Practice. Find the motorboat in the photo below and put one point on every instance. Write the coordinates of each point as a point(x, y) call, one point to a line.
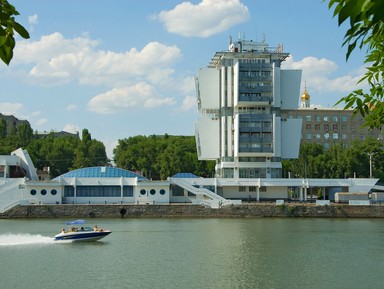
point(78, 232)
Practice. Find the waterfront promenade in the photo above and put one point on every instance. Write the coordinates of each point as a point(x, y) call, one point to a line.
point(245, 210)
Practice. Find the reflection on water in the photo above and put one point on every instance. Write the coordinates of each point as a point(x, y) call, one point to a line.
point(197, 253)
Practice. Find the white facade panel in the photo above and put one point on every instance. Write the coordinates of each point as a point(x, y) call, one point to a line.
point(222, 136)
point(207, 134)
point(229, 86)
point(236, 135)
point(290, 138)
point(208, 89)
point(290, 88)
point(222, 87)
point(229, 136)
point(276, 87)
point(277, 136)
point(236, 84)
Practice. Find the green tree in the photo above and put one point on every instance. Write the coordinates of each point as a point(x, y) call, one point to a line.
point(159, 157)
point(24, 134)
point(8, 27)
point(3, 128)
point(366, 30)
point(57, 153)
point(89, 152)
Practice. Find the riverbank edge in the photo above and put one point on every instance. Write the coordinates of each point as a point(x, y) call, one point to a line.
point(193, 211)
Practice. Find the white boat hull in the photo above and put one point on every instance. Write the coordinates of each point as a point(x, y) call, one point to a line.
point(81, 236)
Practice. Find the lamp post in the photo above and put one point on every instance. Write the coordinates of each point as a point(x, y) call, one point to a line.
point(370, 164)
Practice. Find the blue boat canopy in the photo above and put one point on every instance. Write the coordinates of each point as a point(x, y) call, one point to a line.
point(77, 222)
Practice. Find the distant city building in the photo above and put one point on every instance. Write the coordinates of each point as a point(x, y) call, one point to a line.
point(12, 123)
point(56, 134)
point(329, 126)
point(241, 96)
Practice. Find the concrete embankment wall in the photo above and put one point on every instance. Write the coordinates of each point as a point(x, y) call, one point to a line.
point(181, 210)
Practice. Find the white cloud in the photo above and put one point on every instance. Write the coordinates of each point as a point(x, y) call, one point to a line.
point(205, 19)
point(56, 60)
point(189, 102)
point(8, 108)
point(72, 107)
point(320, 74)
point(72, 128)
point(123, 98)
point(33, 19)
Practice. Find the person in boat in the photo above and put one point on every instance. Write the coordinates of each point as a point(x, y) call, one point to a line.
point(95, 228)
point(62, 230)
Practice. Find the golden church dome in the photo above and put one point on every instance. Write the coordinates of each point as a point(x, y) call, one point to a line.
point(305, 95)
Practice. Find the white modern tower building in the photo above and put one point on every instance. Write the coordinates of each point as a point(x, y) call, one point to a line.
point(241, 94)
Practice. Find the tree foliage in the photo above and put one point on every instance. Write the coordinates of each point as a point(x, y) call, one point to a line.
point(337, 161)
point(60, 154)
point(8, 27)
point(159, 157)
point(366, 30)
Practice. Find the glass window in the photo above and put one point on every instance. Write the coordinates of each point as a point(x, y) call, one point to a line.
point(143, 192)
point(344, 118)
point(343, 136)
point(252, 189)
point(242, 189)
point(308, 118)
point(308, 127)
point(326, 145)
point(177, 191)
point(162, 192)
point(152, 192)
point(325, 118)
point(318, 136)
point(335, 136)
point(43, 192)
point(53, 192)
point(335, 118)
point(326, 136)
point(318, 118)
point(308, 136)
point(128, 191)
point(317, 127)
point(33, 192)
point(335, 127)
point(326, 127)
point(98, 191)
point(69, 191)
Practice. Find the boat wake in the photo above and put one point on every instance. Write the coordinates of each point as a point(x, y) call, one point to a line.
point(24, 239)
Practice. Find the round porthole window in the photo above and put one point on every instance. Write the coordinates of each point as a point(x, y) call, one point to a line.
point(53, 192)
point(33, 192)
point(43, 192)
point(152, 191)
point(162, 192)
point(143, 192)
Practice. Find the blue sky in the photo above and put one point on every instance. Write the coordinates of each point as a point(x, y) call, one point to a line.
point(122, 68)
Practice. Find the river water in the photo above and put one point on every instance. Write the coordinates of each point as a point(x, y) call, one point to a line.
point(196, 253)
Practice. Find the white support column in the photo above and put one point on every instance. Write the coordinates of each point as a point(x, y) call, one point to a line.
point(301, 194)
point(305, 193)
point(121, 189)
point(257, 194)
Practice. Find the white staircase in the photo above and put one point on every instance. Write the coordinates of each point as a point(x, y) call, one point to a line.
point(203, 196)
